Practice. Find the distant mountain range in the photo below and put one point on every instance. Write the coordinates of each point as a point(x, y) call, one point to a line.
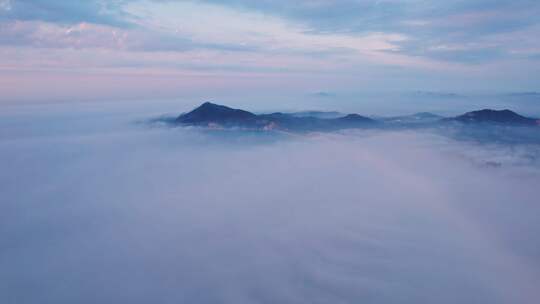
point(218, 116)
point(212, 115)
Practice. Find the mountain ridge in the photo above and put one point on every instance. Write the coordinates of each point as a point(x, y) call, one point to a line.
point(495, 116)
point(214, 115)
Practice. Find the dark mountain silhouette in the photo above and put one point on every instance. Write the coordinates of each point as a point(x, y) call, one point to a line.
point(352, 120)
point(219, 116)
point(495, 116)
point(213, 115)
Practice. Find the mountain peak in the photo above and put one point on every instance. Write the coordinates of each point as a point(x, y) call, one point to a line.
point(210, 114)
point(355, 119)
point(208, 104)
point(495, 116)
point(214, 113)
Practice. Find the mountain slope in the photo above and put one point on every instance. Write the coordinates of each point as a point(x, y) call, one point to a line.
point(495, 116)
point(209, 114)
point(213, 113)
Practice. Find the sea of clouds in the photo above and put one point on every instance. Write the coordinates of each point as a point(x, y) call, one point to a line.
point(97, 206)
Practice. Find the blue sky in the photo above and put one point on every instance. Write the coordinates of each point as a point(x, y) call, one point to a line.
point(97, 49)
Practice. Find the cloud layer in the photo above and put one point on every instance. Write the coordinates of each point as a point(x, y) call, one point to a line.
point(356, 44)
point(97, 208)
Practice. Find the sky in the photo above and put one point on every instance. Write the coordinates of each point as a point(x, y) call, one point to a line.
point(101, 203)
point(57, 50)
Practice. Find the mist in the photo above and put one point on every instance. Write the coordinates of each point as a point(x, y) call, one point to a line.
point(98, 206)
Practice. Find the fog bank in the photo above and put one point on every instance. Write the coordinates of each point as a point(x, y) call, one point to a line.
point(98, 208)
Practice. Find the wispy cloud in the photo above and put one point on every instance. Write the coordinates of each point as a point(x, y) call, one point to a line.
point(66, 12)
point(428, 25)
point(385, 42)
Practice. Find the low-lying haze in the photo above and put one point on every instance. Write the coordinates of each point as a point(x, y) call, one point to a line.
point(99, 207)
